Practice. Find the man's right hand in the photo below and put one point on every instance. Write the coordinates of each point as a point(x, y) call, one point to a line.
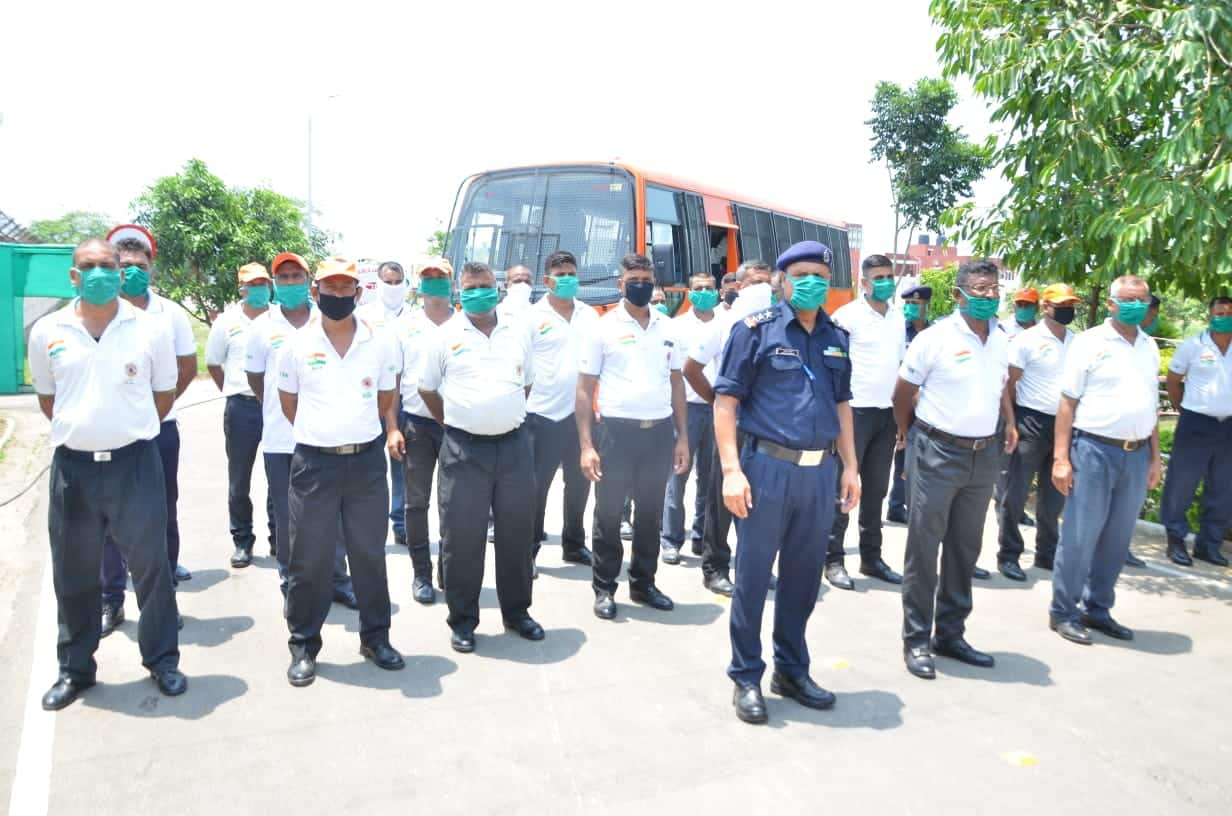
point(737, 495)
point(590, 465)
point(395, 444)
point(1062, 476)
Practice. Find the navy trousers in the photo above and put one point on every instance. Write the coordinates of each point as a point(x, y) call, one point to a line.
point(701, 445)
point(241, 429)
point(1201, 452)
point(423, 438)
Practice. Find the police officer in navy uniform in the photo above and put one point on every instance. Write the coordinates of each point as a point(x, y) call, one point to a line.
point(788, 370)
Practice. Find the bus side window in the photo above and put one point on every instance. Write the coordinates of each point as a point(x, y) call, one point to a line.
point(663, 251)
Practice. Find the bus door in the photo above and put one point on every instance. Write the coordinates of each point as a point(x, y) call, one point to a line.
point(677, 239)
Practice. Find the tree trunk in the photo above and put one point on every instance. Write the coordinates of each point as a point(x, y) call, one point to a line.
point(1093, 306)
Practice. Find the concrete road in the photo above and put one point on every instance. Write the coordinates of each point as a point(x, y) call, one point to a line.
point(601, 717)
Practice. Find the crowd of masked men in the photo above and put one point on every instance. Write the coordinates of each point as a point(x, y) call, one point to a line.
point(790, 418)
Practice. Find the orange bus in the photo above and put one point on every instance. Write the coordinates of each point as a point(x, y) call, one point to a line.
point(601, 211)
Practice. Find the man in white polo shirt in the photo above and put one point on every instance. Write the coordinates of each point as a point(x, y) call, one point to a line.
point(878, 343)
point(225, 352)
point(1037, 356)
point(475, 378)
point(1200, 384)
point(954, 445)
point(336, 379)
point(633, 358)
point(105, 373)
point(1105, 458)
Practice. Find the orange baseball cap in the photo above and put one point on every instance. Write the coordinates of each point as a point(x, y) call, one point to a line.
point(1028, 294)
point(336, 268)
point(1061, 294)
point(439, 264)
point(253, 271)
point(283, 257)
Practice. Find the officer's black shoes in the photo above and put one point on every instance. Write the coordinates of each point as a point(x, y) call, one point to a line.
point(579, 556)
point(113, 616)
point(63, 693)
point(837, 575)
point(182, 574)
point(698, 547)
point(897, 516)
point(346, 598)
point(462, 640)
point(1177, 553)
point(422, 591)
point(1073, 632)
point(605, 605)
point(525, 628)
point(981, 573)
point(171, 682)
point(626, 531)
point(1011, 570)
point(920, 662)
point(1109, 627)
point(1210, 557)
point(804, 691)
point(1026, 521)
point(302, 672)
point(881, 571)
point(750, 705)
point(1043, 563)
point(719, 585)
point(383, 655)
point(671, 554)
point(962, 651)
point(241, 558)
point(1132, 560)
point(652, 597)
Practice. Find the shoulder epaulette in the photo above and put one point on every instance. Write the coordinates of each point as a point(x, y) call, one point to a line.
point(755, 320)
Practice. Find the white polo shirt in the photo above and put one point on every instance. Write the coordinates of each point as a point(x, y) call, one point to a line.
point(689, 330)
point(175, 319)
point(337, 395)
point(415, 334)
point(104, 389)
point(1208, 376)
point(1013, 328)
point(267, 336)
point(227, 346)
point(377, 316)
point(961, 379)
point(554, 342)
point(1115, 382)
point(878, 344)
point(633, 364)
point(481, 378)
point(1041, 356)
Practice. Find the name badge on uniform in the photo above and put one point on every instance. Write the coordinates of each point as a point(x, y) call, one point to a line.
point(786, 352)
point(833, 351)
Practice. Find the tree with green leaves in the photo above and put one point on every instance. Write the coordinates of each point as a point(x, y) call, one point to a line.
point(942, 283)
point(1117, 143)
point(206, 231)
point(437, 241)
point(71, 228)
point(931, 164)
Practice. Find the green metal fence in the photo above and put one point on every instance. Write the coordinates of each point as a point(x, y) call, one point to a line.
point(26, 271)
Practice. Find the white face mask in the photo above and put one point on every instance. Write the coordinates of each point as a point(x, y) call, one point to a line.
point(518, 293)
point(752, 299)
point(393, 295)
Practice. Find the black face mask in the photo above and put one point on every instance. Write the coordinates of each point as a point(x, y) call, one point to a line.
point(730, 297)
point(639, 292)
point(1063, 314)
point(336, 307)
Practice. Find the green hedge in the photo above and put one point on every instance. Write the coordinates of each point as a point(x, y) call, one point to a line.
point(1150, 509)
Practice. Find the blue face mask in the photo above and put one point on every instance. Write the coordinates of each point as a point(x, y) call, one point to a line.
point(979, 308)
point(257, 296)
point(100, 285)
point(809, 292)
point(566, 286)
point(293, 295)
point(435, 287)
point(1131, 312)
point(136, 282)
point(479, 300)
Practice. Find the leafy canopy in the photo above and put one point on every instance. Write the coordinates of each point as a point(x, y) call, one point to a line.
point(71, 228)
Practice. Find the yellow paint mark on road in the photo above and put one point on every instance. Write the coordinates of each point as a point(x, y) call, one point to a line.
point(839, 663)
point(1020, 759)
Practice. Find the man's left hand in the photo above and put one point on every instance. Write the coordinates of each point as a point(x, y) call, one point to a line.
point(1154, 474)
point(680, 457)
point(1011, 438)
point(849, 489)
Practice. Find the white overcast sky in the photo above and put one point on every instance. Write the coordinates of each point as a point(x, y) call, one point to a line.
point(767, 98)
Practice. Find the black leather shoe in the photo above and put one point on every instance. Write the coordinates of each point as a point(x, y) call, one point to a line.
point(1133, 560)
point(462, 641)
point(652, 597)
point(881, 571)
point(897, 516)
point(422, 591)
point(63, 693)
point(302, 672)
point(347, 599)
point(241, 558)
point(383, 655)
point(1042, 563)
point(1073, 632)
point(837, 575)
point(579, 556)
point(698, 547)
point(1026, 521)
point(113, 616)
point(182, 574)
point(605, 605)
point(1177, 553)
point(1210, 557)
point(962, 651)
point(171, 682)
point(920, 662)
point(671, 554)
point(1011, 570)
point(719, 585)
point(1109, 627)
point(525, 628)
point(750, 705)
point(981, 573)
point(804, 691)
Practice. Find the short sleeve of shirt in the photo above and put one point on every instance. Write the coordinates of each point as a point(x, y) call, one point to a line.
point(1181, 361)
point(216, 344)
point(705, 344)
point(288, 369)
point(40, 367)
point(737, 371)
point(843, 386)
point(919, 360)
point(184, 344)
point(1019, 350)
point(164, 371)
point(1074, 373)
point(391, 361)
point(257, 352)
point(590, 351)
point(432, 372)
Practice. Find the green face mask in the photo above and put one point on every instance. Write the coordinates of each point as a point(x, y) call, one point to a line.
point(1221, 324)
point(979, 308)
point(566, 286)
point(136, 281)
point(1150, 329)
point(435, 287)
point(1024, 314)
point(293, 295)
point(1131, 312)
point(883, 289)
point(911, 311)
point(809, 292)
point(258, 297)
point(662, 307)
point(704, 300)
point(99, 286)
point(480, 300)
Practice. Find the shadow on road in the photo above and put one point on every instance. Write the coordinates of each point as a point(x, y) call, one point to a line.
point(875, 709)
point(141, 698)
point(1011, 667)
point(421, 677)
point(1151, 642)
point(698, 614)
point(557, 646)
point(203, 580)
point(1197, 584)
point(569, 572)
point(349, 618)
point(206, 632)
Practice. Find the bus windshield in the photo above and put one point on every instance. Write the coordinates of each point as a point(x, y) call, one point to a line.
point(523, 216)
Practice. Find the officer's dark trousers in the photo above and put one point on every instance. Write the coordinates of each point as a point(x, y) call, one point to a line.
point(241, 428)
point(556, 447)
point(397, 486)
point(701, 447)
point(114, 574)
point(326, 488)
point(898, 484)
point(1032, 459)
point(278, 475)
point(1100, 516)
point(479, 474)
point(790, 504)
point(716, 552)
point(635, 463)
point(88, 500)
point(875, 432)
point(948, 493)
point(423, 439)
point(1201, 452)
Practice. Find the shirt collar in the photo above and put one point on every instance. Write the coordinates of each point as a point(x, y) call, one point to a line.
point(787, 314)
point(363, 332)
point(1112, 334)
point(960, 325)
point(623, 314)
point(68, 315)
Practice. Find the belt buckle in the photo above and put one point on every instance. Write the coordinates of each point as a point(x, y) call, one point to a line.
point(1129, 445)
point(646, 423)
point(346, 450)
point(811, 458)
point(102, 456)
point(979, 444)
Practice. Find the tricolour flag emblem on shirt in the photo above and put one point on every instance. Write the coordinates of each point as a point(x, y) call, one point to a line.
point(962, 356)
point(544, 327)
point(56, 347)
point(628, 340)
point(458, 348)
point(235, 330)
point(315, 360)
point(276, 340)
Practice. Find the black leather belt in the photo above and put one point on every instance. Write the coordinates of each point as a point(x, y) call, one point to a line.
point(1123, 444)
point(103, 456)
point(802, 458)
point(968, 442)
point(474, 437)
point(244, 397)
point(635, 423)
point(341, 450)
